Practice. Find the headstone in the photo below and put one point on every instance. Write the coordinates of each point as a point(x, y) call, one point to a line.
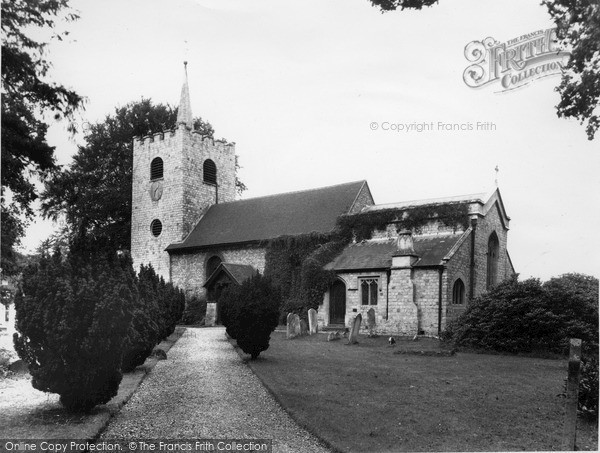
point(353, 337)
point(293, 326)
point(303, 327)
point(211, 314)
point(333, 336)
point(312, 321)
point(371, 322)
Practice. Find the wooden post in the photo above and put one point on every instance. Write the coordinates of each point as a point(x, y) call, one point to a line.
point(570, 427)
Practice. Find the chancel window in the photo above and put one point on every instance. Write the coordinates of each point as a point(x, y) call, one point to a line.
point(458, 292)
point(492, 260)
point(369, 290)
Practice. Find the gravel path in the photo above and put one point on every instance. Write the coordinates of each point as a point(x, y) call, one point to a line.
point(204, 390)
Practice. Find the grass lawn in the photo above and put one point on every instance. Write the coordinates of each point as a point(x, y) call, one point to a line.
point(367, 397)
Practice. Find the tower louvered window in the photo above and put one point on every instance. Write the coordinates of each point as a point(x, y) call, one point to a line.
point(209, 170)
point(156, 168)
point(156, 227)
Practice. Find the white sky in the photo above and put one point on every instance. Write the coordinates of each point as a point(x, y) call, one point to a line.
point(296, 85)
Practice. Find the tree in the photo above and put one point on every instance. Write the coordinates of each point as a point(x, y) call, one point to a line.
point(73, 318)
point(251, 313)
point(578, 29)
point(94, 193)
point(27, 96)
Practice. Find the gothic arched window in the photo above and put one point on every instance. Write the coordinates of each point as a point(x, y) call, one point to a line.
point(209, 169)
point(156, 168)
point(458, 292)
point(492, 260)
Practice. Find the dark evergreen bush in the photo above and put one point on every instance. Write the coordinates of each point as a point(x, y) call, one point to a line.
point(588, 387)
point(251, 313)
point(195, 310)
point(73, 318)
point(156, 313)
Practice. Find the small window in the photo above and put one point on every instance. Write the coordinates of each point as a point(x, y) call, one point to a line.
point(7, 315)
point(209, 170)
point(458, 292)
point(369, 291)
point(156, 168)
point(156, 227)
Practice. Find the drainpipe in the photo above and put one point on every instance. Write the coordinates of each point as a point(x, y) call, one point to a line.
point(441, 271)
point(216, 193)
point(472, 264)
point(387, 295)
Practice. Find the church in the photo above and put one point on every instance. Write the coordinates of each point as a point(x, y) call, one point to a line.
point(187, 223)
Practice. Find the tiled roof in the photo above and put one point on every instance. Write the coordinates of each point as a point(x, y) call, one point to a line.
point(238, 272)
point(377, 254)
point(257, 219)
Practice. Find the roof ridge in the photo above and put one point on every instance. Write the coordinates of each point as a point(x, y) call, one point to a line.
point(469, 196)
point(293, 192)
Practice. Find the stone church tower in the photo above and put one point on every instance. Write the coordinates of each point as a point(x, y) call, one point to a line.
point(177, 175)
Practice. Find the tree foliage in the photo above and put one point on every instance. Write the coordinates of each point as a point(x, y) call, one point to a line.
point(27, 95)
point(578, 29)
point(94, 192)
point(73, 317)
point(525, 316)
point(250, 313)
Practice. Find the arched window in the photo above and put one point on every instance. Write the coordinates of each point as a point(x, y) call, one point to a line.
point(458, 292)
point(212, 263)
point(209, 170)
point(156, 168)
point(492, 260)
point(156, 227)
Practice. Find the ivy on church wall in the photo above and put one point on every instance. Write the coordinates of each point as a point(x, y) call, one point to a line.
point(362, 225)
point(296, 263)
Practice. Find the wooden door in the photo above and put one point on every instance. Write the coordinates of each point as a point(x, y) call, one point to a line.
point(337, 303)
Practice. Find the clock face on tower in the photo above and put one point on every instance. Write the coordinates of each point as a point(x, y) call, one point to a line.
point(156, 190)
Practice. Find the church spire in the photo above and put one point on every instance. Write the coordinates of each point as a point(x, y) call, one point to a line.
point(184, 114)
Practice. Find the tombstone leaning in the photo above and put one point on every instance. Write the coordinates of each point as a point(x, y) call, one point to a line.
point(312, 321)
point(353, 338)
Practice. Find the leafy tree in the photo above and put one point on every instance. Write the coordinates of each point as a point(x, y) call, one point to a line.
point(578, 26)
point(27, 96)
point(94, 193)
point(73, 317)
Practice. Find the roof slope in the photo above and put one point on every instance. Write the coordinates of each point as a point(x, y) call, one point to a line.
point(237, 272)
point(377, 254)
point(257, 219)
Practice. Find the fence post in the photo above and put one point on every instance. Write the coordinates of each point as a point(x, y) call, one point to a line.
point(570, 427)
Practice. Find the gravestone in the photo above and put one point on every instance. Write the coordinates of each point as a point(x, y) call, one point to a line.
point(333, 336)
point(303, 327)
point(312, 321)
point(371, 322)
point(211, 314)
point(293, 326)
point(353, 337)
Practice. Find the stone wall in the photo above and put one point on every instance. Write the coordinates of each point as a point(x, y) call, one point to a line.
point(457, 268)
point(485, 227)
point(185, 196)
point(188, 270)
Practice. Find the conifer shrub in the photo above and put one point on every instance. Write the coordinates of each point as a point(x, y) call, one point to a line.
point(156, 313)
point(195, 310)
point(73, 319)
point(251, 313)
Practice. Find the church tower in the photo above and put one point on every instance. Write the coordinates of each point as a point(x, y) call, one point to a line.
point(177, 175)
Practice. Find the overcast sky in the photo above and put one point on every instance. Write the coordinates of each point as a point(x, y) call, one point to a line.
point(297, 84)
